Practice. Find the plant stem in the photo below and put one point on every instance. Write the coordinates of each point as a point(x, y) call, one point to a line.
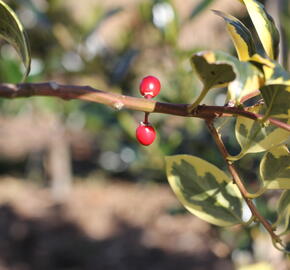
point(118, 101)
point(237, 180)
point(199, 99)
point(146, 118)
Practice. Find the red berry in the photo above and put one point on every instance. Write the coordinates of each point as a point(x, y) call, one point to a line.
point(150, 87)
point(145, 134)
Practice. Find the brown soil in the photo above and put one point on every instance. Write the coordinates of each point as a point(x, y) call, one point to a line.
point(103, 226)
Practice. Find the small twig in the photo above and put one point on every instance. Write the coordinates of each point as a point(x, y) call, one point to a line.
point(237, 180)
point(118, 101)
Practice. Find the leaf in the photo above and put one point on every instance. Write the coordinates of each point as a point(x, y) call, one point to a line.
point(240, 34)
point(199, 8)
point(276, 88)
point(277, 99)
point(213, 68)
point(204, 190)
point(13, 32)
point(257, 266)
point(275, 168)
point(261, 61)
point(218, 69)
point(255, 136)
point(265, 27)
point(286, 229)
point(284, 211)
point(276, 75)
point(284, 201)
point(276, 92)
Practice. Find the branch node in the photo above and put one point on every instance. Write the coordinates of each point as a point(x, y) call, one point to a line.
point(54, 85)
point(118, 105)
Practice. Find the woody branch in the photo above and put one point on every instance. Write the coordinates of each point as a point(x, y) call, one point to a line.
point(119, 101)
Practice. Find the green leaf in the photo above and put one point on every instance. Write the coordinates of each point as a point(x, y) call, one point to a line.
point(277, 99)
point(275, 168)
point(255, 136)
point(284, 212)
point(284, 201)
point(214, 68)
point(13, 32)
point(276, 88)
point(199, 8)
point(265, 27)
point(204, 190)
point(240, 34)
point(218, 69)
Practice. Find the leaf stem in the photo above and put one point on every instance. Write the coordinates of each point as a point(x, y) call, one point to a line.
point(199, 99)
point(237, 180)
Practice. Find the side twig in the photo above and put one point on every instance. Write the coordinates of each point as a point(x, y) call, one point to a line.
point(237, 180)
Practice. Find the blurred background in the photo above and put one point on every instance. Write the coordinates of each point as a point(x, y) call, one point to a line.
point(77, 190)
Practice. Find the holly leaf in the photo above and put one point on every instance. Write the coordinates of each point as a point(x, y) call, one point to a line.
point(275, 168)
point(13, 32)
point(265, 27)
point(204, 190)
point(240, 35)
point(218, 69)
point(255, 136)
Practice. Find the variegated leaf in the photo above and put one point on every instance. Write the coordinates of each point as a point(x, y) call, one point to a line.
point(275, 168)
point(254, 136)
point(13, 32)
point(265, 26)
point(276, 87)
point(240, 35)
point(204, 190)
point(218, 69)
point(277, 99)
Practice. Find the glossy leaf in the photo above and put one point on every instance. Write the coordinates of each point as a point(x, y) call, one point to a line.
point(240, 34)
point(265, 27)
point(218, 69)
point(276, 88)
point(204, 190)
point(254, 136)
point(275, 168)
point(276, 74)
point(261, 61)
point(13, 32)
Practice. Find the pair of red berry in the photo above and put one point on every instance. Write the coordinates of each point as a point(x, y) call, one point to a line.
point(149, 88)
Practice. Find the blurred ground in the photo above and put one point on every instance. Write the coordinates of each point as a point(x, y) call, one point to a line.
point(106, 225)
point(103, 226)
